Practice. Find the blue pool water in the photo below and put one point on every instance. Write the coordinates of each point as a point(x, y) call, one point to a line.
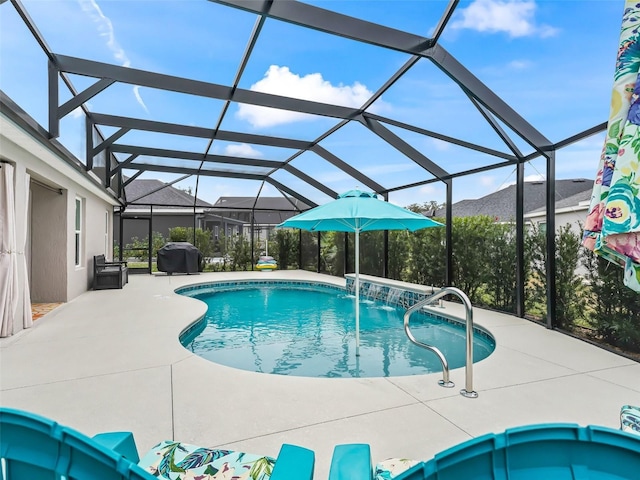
point(310, 331)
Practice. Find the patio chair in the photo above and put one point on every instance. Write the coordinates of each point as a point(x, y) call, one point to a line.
point(109, 274)
point(553, 450)
point(34, 447)
point(630, 419)
point(171, 460)
point(351, 461)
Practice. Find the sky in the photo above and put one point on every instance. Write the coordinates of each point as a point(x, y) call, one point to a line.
point(550, 60)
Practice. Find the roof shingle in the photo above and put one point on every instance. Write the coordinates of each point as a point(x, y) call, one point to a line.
point(501, 204)
point(139, 191)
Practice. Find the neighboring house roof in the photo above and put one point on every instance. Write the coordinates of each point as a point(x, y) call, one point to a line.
point(500, 204)
point(268, 210)
point(140, 191)
point(208, 216)
point(272, 218)
point(579, 201)
point(263, 203)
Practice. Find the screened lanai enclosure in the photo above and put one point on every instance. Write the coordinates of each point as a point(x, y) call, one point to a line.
point(406, 106)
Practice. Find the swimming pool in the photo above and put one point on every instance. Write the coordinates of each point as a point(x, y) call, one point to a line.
point(308, 329)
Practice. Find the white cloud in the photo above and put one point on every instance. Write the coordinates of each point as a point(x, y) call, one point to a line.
point(430, 189)
point(514, 17)
point(105, 27)
point(535, 177)
point(136, 92)
point(426, 193)
point(77, 113)
point(281, 81)
point(440, 145)
point(520, 64)
point(242, 150)
point(487, 180)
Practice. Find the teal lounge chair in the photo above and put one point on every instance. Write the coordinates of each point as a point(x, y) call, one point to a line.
point(630, 419)
point(546, 451)
point(34, 447)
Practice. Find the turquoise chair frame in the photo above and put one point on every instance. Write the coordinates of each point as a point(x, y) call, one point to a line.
point(351, 461)
point(630, 419)
point(551, 450)
point(34, 447)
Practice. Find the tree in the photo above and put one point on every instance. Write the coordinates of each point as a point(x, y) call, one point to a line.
point(427, 208)
point(398, 254)
point(614, 308)
point(426, 265)
point(240, 252)
point(471, 253)
point(501, 272)
point(332, 253)
point(570, 300)
point(371, 252)
point(140, 247)
point(203, 242)
point(309, 251)
point(285, 248)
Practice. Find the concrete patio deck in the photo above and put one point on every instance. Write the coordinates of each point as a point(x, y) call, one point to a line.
point(111, 360)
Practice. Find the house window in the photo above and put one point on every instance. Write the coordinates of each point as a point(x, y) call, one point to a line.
point(237, 230)
point(543, 227)
point(78, 232)
point(215, 232)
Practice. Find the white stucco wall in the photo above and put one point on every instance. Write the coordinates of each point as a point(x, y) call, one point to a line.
point(54, 275)
point(574, 216)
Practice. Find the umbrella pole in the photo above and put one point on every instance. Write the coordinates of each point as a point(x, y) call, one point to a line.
point(357, 292)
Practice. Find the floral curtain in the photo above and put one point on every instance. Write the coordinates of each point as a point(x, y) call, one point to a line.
point(612, 228)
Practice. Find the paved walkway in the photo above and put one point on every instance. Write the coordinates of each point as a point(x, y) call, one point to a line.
point(111, 360)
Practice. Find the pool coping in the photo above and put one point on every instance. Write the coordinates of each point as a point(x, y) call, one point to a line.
point(415, 296)
point(406, 299)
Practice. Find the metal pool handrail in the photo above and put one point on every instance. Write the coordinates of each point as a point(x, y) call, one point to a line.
point(445, 382)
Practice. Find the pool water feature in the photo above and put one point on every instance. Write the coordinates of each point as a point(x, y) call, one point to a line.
point(307, 329)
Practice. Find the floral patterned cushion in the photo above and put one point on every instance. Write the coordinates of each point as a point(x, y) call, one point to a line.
point(181, 461)
point(630, 419)
point(392, 467)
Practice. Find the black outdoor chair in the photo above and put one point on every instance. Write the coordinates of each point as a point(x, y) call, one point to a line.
point(109, 274)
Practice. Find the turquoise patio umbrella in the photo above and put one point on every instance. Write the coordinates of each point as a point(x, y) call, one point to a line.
point(356, 211)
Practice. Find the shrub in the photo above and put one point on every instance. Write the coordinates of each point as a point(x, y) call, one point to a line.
point(140, 247)
point(427, 251)
point(240, 253)
point(371, 252)
point(570, 297)
point(285, 248)
point(203, 242)
point(500, 269)
point(615, 309)
point(471, 258)
point(398, 254)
